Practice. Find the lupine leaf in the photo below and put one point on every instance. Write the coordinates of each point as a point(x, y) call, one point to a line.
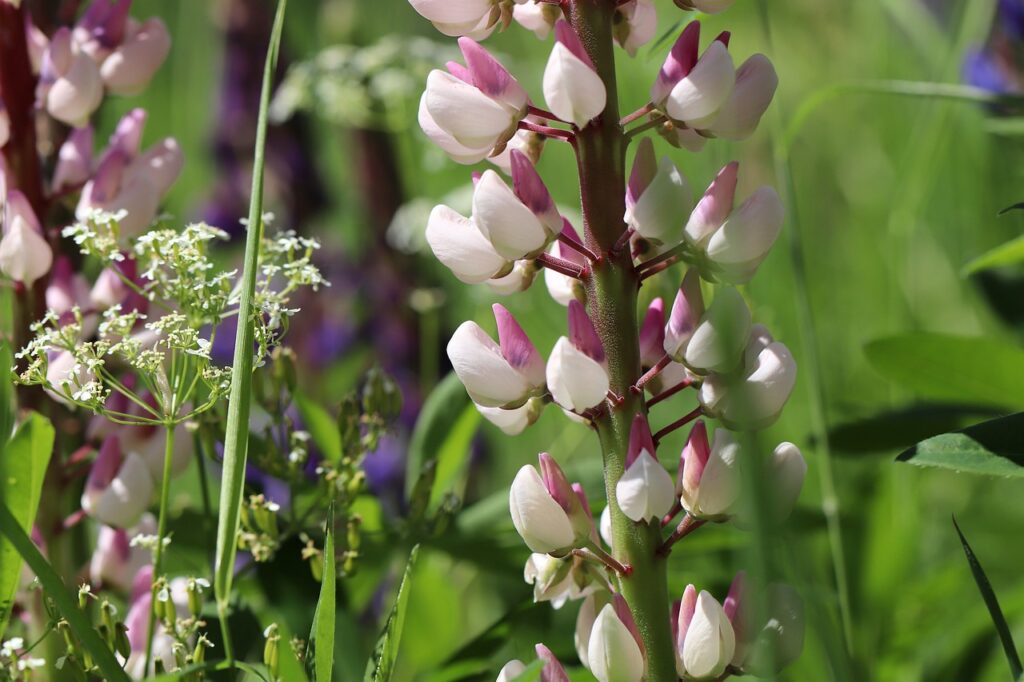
point(993, 448)
point(23, 463)
point(381, 665)
point(998, 619)
point(321, 637)
point(1010, 253)
point(236, 438)
point(954, 368)
point(67, 603)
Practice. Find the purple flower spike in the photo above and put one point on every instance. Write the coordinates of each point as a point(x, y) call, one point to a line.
point(640, 439)
point(552, 670)
point(516, 346)
point(582, 333)
point(556, 483)
point(652, 331)
point(680, 61)
point(565, 35)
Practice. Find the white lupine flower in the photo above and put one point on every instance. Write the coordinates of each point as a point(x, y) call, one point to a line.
point(645, 492)
point(576, 374)
point(756, 82)
point(130, 66)
point(518, 280)
point(613, 654)
point(457, 151)
point(636, 25)
point(757, 396)
point(514, 421)
point(717, 343)
point(573, 90)
point(698, 96)
point(70, 86)
point(454, 17)
point(539, 17)
point(472, 118)
point(709, 482)
point(591, 606)
point(511, 227)
point(706, 641)
point(714, 207)
point(119, 488)
point(494, 375)
point(538, 508)
point(115, 562)
point(657, 196)
point(743, 241)
point(458, 243)
point(25, 255)
point(511, 671)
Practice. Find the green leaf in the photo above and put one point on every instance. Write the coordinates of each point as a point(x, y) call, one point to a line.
point(895, 429)
point(236, 438)
point(321, 426)
point(441, 410)
point(381, 665)
point(23, 463)
point(1002, 629)
point(993, 448)
point(1010, 253)
point(67, 603)
point(321, 637)
point(952, 368)
point(8, 405)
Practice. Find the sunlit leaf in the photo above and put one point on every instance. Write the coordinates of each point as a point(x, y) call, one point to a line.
point(321, 638)
point(994, 448)
point(1010, 253)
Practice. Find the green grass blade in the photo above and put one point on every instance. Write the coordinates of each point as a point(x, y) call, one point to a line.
point(1002, 629)
point(67, 603)
point(321, 637)
point(23, 463)
point(1010, 253)
point(381, 665)
point(237, 436)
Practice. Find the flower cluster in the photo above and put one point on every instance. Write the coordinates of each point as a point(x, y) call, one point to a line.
point(708, 342)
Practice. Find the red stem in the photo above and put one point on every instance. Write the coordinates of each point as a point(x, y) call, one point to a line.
point(668, 393)
point(672, 513)
point(579, 248)
point(679, 423)
point(639, 113)
point(548, 131)
point(567, 268)
point(686, 526)
point(543, 113)
point(661, 258)
point(650, 374)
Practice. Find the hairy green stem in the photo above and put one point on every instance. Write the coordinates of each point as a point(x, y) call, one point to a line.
point(161, 532)
point(612, 295)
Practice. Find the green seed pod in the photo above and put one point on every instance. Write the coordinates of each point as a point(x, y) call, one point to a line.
point(122, 644)
point(316, 566)
point(349, 565)
point(352, 535)
point(348, 427)
point(271, 650)
point(420, 497)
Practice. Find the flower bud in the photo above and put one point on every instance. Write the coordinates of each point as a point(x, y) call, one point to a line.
point(576, 375)
point(687, 311)
point(713, 208)
point(634, 25)
point(546, 511)
point(115, 563)
point(737, 249)
point(524, 272)
point(780, 639)
point(131, 65)
point(705, 641)
point(457, 18)
point(656, 197)
point(572, 88)
point(552, 671)
point(756, 397)
point(679, 62)
point(74, 160)
point(102, 27)
point(513, 421)
point(503, 374)
point(539, 17)
point(512, 228)
point(709, 479)
point(645, 491)
point(562, 287)
point(717, 343)
point(70, 86)
point(591, 606)
point(787, 470)
point(612, 653)
point(462, 248)
point(756, 82)
point(25, 255)
point(119, 488)
point(511, 670)
point(696, 98)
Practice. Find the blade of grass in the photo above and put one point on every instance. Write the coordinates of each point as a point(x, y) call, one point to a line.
point(998, 619)
point(236, 437)
point(67, 603)
point(381, 665)
point(321, 637)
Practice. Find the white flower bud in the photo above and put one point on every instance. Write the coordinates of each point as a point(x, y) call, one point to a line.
point(472, 118)
point(718, 342)
point(657, 206)
point(131, 65)
point(573, 90)
point(591, 606)
point(756, 82)
point(511, 227)
point(540, 520)
point(577, 382)
point(645, 492)
point(457, 151)
point(511, 671)
point(788, 469)
point(743, 241)
point(514, 421)
point(119, 488)
point(461, 247)
point(635, 25)
point(710, 478)
point(25, 255)
point(697, 97)
point(70, 86)
point(613, 654)
point(706, 640)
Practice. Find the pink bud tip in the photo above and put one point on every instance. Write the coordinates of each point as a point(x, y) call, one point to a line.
point(687, 607)
point(566, 36)
point(640, 439)
point(582, 333)
point(679, 62)
point(688, 307)
point(724, 37)
point(528, 185)
point(695, 456)
point(626, 616)
point(652, 331)
point(553, 670)
point(645, 167)
point(735, 596)
point(516, 346)
point(556, 482)
point(107, 464)
point(584, 502)
point(485, 72)
point(460, 72)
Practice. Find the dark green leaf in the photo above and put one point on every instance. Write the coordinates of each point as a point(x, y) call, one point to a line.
point(1013, 207)
point(320, 652)
point(23, 463)
point(67, 603)
point(1010, 253)
point(321, 426)
point(994, 448)
point(953, 368)
point(897, 428)
point(381, 665)
point(441, 410)
point(1002, 629)
point(7, 397)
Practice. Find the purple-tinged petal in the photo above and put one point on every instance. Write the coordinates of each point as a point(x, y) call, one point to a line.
point(552, 670)
point(530, 189)
point(652, 333)
point(107, 464)
point(724, 37)
point(460, 72)
point(485, 71)
point(565, 35)
point(516, 346)
point(680, 60)
point(74, 160)
point(127, 136)
point(715, 206)
point(626, 616)
point(581, 495)
point(694, 457)
point(640, 439)
point(582, 333)
point(645, 167)
point(556, 483)
point(687, 607)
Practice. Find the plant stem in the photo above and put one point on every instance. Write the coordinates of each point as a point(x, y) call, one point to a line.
point(161, 531)
point(612, 296)
point(678, 424)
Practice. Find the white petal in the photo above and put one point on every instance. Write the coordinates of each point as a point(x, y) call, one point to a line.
point(576, 381)
point(718, 341)
point(471, 117)
point(573, 91)
point(645, 491)
point(459, 245)
point(129, 68)
point(510, 226)
point(511, 671)
point(747, 235)
point(660, 211)
point(584, 627)
point(710, 640)
point(720, 483)
point(448, 144)
point(542, 523)
point(73, 97)
point(489, 379)
point(511, 422)
point(613, 654)
point(788, 471)
point(24, 255)
point(452, 11)
point(122, 502)
point(706, 88)
point(756, 82)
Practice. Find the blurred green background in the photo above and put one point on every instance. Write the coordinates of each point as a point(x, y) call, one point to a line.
point(890, 196)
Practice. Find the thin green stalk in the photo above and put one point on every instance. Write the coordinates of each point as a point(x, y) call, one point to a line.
point(236, 438)
point(161, 532)
point(612, 295)
point(811, 368)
